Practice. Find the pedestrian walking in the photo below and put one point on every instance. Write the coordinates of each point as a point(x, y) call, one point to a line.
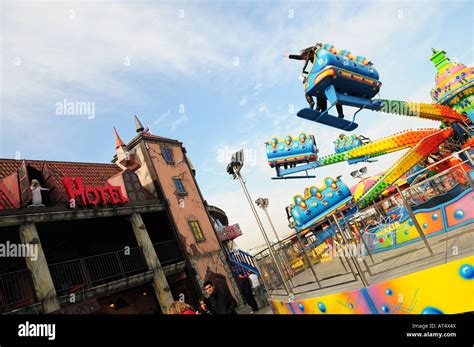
point(257, 290)
point(246, 285)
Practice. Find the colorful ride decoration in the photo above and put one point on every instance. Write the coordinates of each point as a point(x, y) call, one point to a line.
point(292, 150)
point(340, 78)
point(438, 219)
point(318, 202)
point(416, 154)
point(442, 289)
point(346, 142)
point(359, 189)
point(454, 84)
point(454, 107)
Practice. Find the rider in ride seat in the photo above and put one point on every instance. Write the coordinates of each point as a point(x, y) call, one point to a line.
point(307, 54)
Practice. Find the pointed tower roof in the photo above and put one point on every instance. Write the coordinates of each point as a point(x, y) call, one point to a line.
point(138, 125)
point(118, 140)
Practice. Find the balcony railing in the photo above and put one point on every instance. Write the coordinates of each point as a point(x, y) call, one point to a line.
point(89, 272)
point(16, 290)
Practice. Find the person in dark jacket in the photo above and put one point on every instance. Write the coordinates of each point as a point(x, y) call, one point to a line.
point(221, 301)
point(246, 285)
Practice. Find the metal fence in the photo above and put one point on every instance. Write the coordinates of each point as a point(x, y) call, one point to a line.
point(95, 270)
point(411, 230)
point(16, 290)
point(92, 271)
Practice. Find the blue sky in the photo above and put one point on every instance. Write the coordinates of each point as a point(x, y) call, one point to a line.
point(211, 74)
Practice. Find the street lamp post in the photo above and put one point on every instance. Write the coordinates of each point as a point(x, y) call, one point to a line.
point(233, 168)
point(263, 204)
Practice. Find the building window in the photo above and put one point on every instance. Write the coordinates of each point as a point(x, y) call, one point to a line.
point(197, 232)
point(179, 186)
point(167, 154)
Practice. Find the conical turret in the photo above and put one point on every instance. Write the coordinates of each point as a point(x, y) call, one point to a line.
point(118, 141)
point(138, 125)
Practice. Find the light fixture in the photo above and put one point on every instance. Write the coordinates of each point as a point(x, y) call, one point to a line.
point(359, 173)
point(236, 164)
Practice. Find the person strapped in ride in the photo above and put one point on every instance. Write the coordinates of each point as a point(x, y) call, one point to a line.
point(308, 54)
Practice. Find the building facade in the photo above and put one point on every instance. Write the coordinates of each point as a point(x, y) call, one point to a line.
point(126, 237)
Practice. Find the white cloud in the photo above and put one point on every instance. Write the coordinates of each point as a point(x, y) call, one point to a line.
point(243, 101)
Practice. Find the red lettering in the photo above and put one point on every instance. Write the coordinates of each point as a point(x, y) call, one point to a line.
point(114, 199)
point(122, 198)
point(73, 192)
point(101, 191)
point(93, 195)
point(92, 200)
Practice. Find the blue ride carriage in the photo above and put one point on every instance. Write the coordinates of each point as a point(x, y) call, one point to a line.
point(340, 78)
point(318, 203)
point(291, 151)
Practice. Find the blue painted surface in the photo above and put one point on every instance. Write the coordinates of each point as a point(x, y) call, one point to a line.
point(289, 149)
point(306, 211)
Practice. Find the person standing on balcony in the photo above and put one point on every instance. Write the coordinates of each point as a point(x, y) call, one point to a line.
point(246, 285)
point(221, 301)
point(257, 290)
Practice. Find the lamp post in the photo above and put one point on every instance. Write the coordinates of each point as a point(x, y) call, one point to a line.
point(263, 204)
point(233, 169)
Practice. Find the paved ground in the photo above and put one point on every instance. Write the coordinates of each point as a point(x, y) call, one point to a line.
point(337, 275)
point(246, 310)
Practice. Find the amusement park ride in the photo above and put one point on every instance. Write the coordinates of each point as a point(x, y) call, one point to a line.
point(343, 79)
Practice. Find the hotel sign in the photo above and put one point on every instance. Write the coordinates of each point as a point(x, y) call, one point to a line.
point(92, 195)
